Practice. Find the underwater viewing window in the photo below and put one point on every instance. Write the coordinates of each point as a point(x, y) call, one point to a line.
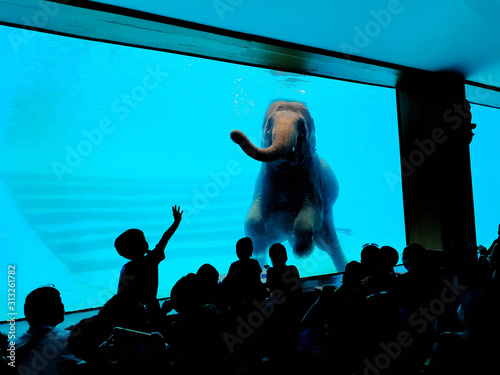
point(97, 138)
point(485, 169)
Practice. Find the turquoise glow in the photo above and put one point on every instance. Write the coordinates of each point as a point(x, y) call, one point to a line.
point(485, 167)
point(98, 138)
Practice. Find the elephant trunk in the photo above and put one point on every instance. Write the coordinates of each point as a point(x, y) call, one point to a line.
point(282, 143)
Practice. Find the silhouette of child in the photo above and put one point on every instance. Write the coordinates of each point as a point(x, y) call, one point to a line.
point(208, 277)
point(370, 259)
point(285, 304)
point(195, 334)
point(242, 283)
point(139, 276)
point(245, 266)
point(386, 278)
point(280, 276)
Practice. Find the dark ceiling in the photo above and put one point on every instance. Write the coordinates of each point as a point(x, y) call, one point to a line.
point(434, 35)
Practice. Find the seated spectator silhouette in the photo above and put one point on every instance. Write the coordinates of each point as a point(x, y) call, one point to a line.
point(245, 265)
point(482, 258)
point(208, 278)
point(195, 333)
point(242, 283)
point(420, 283)
point(388, 260)
point(351, 279)
point(494, 243)
point(371, 264)
point(90, 334)
point(494, 262)
point(282, 278)
point(186, 295)
point(326, 305)
point(285, 306)
point(139, 276)
point(475, 349)
point(340, 318)
point(131, 352)
point(43, 349)
point(414, 290)
point(370, 256)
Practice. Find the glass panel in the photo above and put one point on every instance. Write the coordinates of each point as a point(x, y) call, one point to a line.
point(99, 138)
point(485, 167)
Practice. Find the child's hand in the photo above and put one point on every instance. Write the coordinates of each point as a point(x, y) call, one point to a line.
point(177, 213)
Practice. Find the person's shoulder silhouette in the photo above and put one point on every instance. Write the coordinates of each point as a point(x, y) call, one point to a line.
point(44, 310)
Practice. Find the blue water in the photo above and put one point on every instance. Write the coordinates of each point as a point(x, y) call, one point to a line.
point(485, 169)
point(96, 139)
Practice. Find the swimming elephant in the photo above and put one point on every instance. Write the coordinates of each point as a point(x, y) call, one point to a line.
point(295, 189)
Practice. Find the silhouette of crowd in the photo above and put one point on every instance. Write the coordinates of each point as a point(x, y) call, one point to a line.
point(435, 318)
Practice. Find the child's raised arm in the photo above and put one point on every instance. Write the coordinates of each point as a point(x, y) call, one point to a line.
point(170, 231)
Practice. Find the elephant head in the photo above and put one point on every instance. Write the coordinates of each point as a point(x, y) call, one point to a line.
point(288, 136)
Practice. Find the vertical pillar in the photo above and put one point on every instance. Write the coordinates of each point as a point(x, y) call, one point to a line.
point(435, 132)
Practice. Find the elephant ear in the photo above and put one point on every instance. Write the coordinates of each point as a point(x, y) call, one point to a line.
point(311, 135)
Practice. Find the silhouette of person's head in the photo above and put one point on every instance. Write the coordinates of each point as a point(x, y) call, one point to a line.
point(277, 253)
point(413, 256)
point(131, 244)
point(43, 306)
point(125, 312)
point(185, 294)
point(208, 279)
point(389, 257)
point(208, 275)
point(483, 251)
point(244, 248)
point(353, 273)
point(370, 257)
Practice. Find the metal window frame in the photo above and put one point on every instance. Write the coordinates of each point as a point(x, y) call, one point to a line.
point(111, 24)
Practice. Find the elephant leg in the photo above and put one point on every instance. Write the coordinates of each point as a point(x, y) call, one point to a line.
point(255, 229)
point(303, 229)
point(327, 240)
